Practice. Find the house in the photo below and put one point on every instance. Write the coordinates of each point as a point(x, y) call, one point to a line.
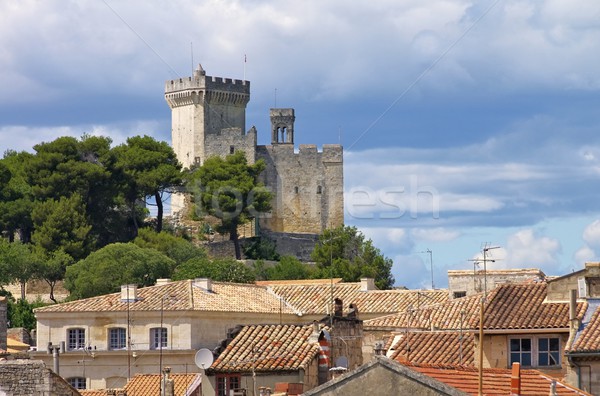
point(462, 283)
point(103, 341)
point(382, 376)
point(24, 377)
point(583, 349)
point(512, 381)
point(149, 384)
point(519, 325)
point(264, 355)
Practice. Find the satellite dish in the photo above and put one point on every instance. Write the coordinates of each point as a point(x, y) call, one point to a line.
point(341, 361)
point(204, 358)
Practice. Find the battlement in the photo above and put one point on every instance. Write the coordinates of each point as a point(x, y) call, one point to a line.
point(333, 153)
point(200, 81)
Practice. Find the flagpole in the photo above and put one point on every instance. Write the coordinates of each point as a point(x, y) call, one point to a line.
point(244, 67)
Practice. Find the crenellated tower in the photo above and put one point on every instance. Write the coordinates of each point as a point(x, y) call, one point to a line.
point(209, 117)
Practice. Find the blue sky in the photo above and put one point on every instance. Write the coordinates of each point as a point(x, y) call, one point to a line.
point(463, 122)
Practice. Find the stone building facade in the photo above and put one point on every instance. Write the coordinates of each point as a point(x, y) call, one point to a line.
point(209, 119)
point(3, 324)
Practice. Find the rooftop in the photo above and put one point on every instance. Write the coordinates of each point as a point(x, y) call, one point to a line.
point(440, 348)
point(496, 381)
point(509, 307)
point(268, 348)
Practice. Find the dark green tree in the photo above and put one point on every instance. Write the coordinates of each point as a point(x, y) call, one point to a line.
point(18, 263)
point(344, 252)
point(16, 199)
point(223, 270)
point(149, 168)
point(176, 248)
point(20, 313)
point(105, 270)
point(290, 268)
point(229, 189)
point(53, 267)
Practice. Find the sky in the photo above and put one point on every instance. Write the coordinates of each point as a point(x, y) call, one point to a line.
point(465, 124)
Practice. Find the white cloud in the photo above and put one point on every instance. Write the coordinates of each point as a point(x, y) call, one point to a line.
point(528, 249)
point(438, 234)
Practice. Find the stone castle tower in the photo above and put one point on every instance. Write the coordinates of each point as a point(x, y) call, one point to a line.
point(209, 118)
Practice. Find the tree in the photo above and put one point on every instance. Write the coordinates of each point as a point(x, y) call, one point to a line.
point(229, 190)
point(20, 313)
point(53, 267)
point(17, 263)
point(106, 269)
point(344, 252)
point(149, 168)
point(176, 248)
point(223, 270)
point(16, 200)
point(290, 268)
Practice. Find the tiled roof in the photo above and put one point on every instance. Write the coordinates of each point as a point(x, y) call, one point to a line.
point(314, 297)
point(183, 295)
point(496, 381)
point(451, 315)
point(268, 348)
point(587, 340)
point(440, 348)
point(509, 306)
point(93, 392)
point(149, 384)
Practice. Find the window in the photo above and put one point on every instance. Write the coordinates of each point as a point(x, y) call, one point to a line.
point(117, 338)
point(460, 294)
point(226, 383)
point(77, 382)
point(548, 351)
point(319, 189)
point(231, 149)
point(158, 338)
point(75, 339)
point(535, 351)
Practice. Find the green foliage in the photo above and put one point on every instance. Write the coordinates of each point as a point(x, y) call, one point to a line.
point(223, 270)
point(20, 313)
point(16, 200)
point(290, 268)
point(178, 249)
point(61, 225)
point(17, 264)
point(105, 270)
point(148, 168)
point(344, 252)
point(261, 248)
point(229, 190)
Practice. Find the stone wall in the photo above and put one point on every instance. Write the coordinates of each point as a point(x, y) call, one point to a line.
point(31, 377)
point(472, 282)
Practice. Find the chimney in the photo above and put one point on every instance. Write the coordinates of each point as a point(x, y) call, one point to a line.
point(572, 304)
point(515, 380)
point(338, 307)
point(203, 283)
point(367, 284)
point(128, 293)
point(162, 281)
point(167, 385)
point(553, 388)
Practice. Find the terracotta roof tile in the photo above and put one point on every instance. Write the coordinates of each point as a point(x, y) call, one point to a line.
point(314, 297)
point(268, 348)
point(496, 381)
point(224, 297)
point(587, 339)
point(149, 384)
point(439, 348)
point(509, 306)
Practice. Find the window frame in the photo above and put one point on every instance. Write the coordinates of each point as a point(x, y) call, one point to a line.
point(120, 338)
point(155, 341)
point(225, 383)
point(78, 382)
point(75, 338)
point(552, 352)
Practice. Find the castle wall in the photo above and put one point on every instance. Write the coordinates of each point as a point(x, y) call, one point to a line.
point(232, 140)
point(307, 187)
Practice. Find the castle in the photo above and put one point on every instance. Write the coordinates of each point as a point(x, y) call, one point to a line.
point(209, 118)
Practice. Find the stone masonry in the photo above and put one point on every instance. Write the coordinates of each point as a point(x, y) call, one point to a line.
point(31, 378)
point(3, 323)
point(209, 118)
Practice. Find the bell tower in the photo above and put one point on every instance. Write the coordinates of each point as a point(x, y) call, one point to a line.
point(282, 126)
